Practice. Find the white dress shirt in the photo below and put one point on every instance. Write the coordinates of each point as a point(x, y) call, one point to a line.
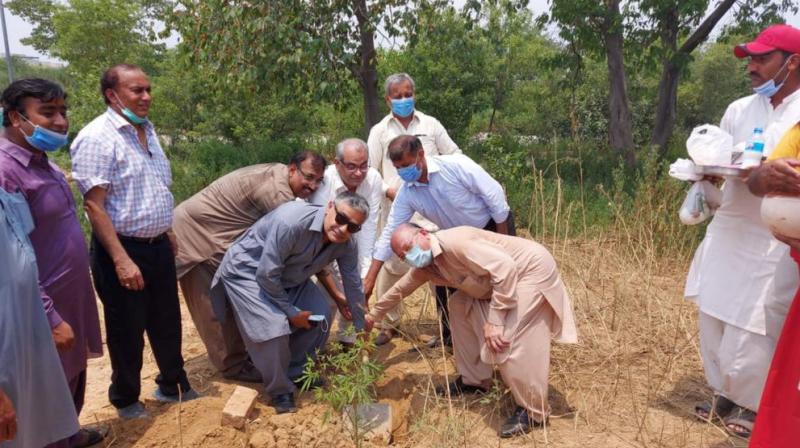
point(739, 269)
point(372, 190)
point(459, 192)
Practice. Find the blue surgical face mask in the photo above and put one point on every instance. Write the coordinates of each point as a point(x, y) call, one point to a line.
point(410, 173)
point(44, 139)
point(769, 88)
point(403, 107)
point(419, 258)
point(132, 117)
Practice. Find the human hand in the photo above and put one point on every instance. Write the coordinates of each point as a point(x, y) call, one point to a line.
point(344, 309)
point(8, 418)
point(369, 324)
point(129, 275)
point(391, 193)
point(780, 176)
point(369, 285)
point(300, 320)
point(63, 336)
point(493, 335)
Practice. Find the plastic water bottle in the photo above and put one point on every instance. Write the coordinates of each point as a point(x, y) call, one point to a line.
point(754, 149)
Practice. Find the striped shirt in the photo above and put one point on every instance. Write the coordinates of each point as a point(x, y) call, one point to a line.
point(107, 154)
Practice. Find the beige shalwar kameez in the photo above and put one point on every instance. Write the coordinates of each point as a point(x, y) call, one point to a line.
point(206, 225)
point(502, 280)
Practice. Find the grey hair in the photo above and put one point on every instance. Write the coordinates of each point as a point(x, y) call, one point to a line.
point(349, 142)
point(397, 78)
point(352, 200)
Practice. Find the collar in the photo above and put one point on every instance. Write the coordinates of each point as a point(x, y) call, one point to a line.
point(332, 176)
point(417, 117)
point(794, 96)
point(20, 154)
point(433, 167)
point(120, 122)
point(436, 248)
point(318, 222)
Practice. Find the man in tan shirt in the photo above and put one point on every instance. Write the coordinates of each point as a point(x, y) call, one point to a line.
point(210, 221)
point(509, 303)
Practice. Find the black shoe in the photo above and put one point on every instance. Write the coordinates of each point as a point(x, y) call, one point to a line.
point(284, 403)
point(458, 388)
point(518, 423)
point(436, 342)
point(248, 374)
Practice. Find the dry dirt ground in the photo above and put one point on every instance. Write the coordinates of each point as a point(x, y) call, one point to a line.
point(632, 380)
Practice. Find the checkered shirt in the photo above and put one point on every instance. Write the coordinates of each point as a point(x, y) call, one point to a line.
point(107, 153)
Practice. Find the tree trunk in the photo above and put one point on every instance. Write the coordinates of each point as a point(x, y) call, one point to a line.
point(620, 126)
point(368, 70)
point(667, 106)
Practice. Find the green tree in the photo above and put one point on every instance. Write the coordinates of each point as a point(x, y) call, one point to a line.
point(312, 48)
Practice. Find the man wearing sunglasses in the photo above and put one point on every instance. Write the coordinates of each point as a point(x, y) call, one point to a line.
point(265, 279)
point(210, 221)
point(351, 172)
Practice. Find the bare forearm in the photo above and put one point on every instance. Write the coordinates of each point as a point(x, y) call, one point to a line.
point(502, 227)
point(103, 228)
point(326, 279)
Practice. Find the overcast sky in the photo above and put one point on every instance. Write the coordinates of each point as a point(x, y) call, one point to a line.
point(19, 29)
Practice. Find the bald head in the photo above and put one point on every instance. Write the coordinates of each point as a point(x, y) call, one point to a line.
point(352, 162)
point(403, 238)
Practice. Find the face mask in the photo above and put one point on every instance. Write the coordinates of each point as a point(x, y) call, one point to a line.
point(419, 258)
point(132, 117)
point(403, 107)
point(410, 173)
point(44, 139)
point(769, 89)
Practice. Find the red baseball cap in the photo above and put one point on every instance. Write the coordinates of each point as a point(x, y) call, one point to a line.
point(775, 37)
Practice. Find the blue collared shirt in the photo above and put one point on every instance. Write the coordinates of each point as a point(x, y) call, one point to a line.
point(107, 154)
point(459, 192)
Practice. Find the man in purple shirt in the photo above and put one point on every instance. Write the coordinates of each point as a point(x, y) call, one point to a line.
point(34, 117)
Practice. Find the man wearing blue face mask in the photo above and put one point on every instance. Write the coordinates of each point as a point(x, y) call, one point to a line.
point(742, 279)
point(403, 119)
point(124, 176)
point(510, 301)
point(35, 116)
point(449, 190)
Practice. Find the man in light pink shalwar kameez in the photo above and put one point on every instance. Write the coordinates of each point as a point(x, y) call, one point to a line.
point(510, 303)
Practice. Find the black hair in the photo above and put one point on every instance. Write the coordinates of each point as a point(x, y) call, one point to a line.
point(403, 144)
point(13, 97)
point(110, 78)
point(317, 160)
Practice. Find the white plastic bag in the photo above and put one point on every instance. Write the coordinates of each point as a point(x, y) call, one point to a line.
point(684, 169)
point(702, 200)
point(710, 145)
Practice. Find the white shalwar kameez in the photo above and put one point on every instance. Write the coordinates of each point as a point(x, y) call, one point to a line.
point(742, 278)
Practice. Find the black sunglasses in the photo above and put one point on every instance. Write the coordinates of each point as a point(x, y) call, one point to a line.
point(342, 220)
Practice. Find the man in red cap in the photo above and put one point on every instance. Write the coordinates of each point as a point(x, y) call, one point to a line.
point(742, 278)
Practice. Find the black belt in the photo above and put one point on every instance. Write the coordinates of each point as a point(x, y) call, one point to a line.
point(136, 239)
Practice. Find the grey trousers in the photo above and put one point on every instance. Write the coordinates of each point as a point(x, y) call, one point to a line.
point(281, 360)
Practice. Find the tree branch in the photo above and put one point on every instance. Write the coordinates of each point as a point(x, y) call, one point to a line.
point(702, 31)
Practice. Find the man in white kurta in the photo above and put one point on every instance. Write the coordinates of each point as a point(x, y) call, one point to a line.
point(350, 171)
point(403, 119)
point(510, 302)
point(741, 278)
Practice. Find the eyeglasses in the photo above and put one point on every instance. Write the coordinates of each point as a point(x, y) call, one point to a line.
point(311, 177)
point(352, 167)
point(342, 220)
